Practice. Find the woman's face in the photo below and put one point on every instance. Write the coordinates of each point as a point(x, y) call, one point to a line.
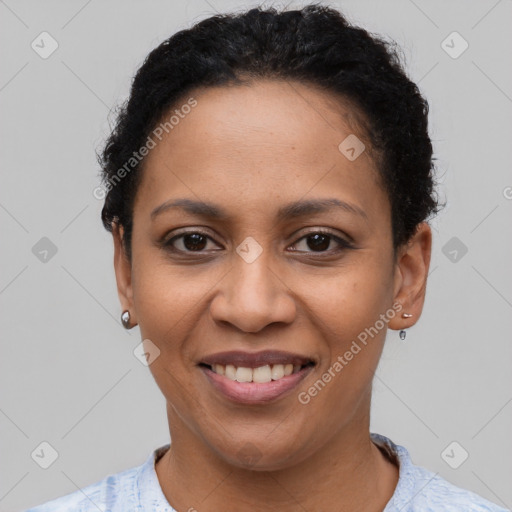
point(260, 277)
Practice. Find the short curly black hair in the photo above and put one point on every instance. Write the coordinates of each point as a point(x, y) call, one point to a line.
point(315, 45)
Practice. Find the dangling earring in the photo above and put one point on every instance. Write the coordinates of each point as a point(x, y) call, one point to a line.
point(125, 319)
point(402, 332)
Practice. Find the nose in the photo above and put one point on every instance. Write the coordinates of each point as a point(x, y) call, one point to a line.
point(253, 295)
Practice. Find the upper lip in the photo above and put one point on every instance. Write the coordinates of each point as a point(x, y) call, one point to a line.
point(240, 358)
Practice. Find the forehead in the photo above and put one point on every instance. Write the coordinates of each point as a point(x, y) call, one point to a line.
point(260, 144)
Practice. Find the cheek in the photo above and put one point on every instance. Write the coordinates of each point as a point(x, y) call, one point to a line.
point(346, 310)
point(166, 301)
point(170, 301)
point(348, 300)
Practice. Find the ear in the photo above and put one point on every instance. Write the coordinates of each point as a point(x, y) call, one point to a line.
point(123, 270)
point(411, 272)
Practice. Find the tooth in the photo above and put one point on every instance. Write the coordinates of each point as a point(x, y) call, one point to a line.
point(230, 372)
point(219, 368)
point(244, 374)
point(262, 374)
point(277, 371)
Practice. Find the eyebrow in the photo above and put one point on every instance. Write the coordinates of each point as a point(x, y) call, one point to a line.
point(289, 211)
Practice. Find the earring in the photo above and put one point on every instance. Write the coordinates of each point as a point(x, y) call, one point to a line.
point(125, 319)
point(402, 332)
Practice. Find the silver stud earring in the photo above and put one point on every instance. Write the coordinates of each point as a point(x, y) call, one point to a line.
point(125, 319)
point(402, 332)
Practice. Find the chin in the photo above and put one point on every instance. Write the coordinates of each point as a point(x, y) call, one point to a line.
point(262, 452)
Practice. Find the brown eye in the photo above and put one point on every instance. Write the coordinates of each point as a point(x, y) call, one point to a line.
point(193, 241)
point(320, 241)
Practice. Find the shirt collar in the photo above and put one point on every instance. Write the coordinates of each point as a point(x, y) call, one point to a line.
point(149, 494)
point(147, 489)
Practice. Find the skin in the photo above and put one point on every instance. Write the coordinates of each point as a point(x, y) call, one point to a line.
point(250, 150)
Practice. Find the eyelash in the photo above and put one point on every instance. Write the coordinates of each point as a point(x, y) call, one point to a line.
point(344, 244)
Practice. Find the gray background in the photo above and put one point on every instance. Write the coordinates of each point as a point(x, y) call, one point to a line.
point(68, 375)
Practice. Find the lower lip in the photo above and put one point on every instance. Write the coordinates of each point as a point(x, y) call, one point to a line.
point(255, 392)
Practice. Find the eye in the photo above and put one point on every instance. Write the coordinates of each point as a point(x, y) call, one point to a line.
point(190, 241)
point(321, 241)
point(317, 241)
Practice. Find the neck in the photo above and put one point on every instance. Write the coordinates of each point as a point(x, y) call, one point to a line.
point(348, 473)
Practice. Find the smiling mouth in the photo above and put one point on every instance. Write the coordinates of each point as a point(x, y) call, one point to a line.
point(260, 374)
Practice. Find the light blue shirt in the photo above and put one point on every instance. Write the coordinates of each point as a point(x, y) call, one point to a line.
point(138, 489)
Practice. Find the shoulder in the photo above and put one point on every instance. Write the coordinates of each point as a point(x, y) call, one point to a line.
point(421, 490)
point(112, 493)
point(433, 493)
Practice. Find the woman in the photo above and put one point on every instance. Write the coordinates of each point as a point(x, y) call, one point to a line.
point(268, 186)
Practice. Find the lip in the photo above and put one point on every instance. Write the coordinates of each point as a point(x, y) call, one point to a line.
point(255, 392)
point(256, 359)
